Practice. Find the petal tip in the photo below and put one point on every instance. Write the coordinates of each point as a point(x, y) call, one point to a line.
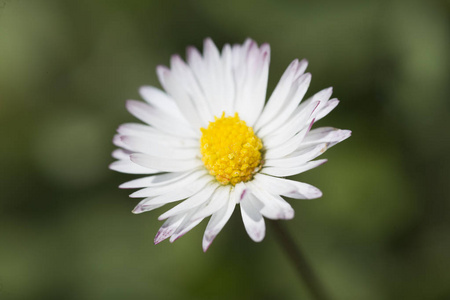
point(163, 233)
point(304, 61)
point(123, 186)
point(207, 241)
point(162, 71)
point(345, 134)
point(258, 236)
point(134, 157)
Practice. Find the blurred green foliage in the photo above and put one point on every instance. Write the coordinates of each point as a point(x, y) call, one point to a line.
point(381, 230)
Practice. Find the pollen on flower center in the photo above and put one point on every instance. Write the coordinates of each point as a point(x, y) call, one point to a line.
point(230, 150)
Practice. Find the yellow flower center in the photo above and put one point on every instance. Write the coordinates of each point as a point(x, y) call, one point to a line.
point(230, 150)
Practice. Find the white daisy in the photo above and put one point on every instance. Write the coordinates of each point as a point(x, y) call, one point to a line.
point(211, 141)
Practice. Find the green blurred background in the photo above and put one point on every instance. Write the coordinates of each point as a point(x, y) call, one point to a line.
point(381, 230)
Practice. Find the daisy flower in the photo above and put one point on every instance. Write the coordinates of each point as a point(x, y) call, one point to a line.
point(212, 142)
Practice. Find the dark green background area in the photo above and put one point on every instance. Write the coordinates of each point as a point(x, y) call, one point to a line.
point(381, 230)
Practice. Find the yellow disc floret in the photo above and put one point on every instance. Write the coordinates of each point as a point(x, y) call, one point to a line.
point(230, 150)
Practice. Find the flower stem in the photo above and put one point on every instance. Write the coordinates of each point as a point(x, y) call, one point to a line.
point(300, 262)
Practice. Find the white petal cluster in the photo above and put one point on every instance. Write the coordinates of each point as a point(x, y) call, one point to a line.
point(167, 147)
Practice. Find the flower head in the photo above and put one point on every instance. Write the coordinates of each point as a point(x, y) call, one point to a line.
point(211, 142)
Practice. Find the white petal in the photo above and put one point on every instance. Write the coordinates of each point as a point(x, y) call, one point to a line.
point(277, 99)
point(117, 140)
point(298, 157)
point(129, 167)
point(329, 135)
point(298, 90)
point(211, 53)
point(146, 132)
point(302, 65)
point(168, 228)
point(189, 84)
point(159, 119)
point(165, 164)
point(214, 71)
point(201, 197)
point(178, 193)
point(253, 221)
point(183, 229)
point(322, 96)
point(239, 192)
point(121, 154)
point(279, 96)
point(274, 207)
point(327, 108)
point(187, 224)
point(142, 131)
point(136, 129)
point(209, 73)
point(282, 172)
point(171, 185)
point(155, 180)
point(195, 61)
point(218, 221)
point(215, 76)
point(156, 149)
point(204, 79)
point(285, 187)
point(288, 147)
point(184, 102)
point(162, 101)
point(143, 207)
point(218, 200)
point(252, 92)
point(287, 131)
point(228, 93)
